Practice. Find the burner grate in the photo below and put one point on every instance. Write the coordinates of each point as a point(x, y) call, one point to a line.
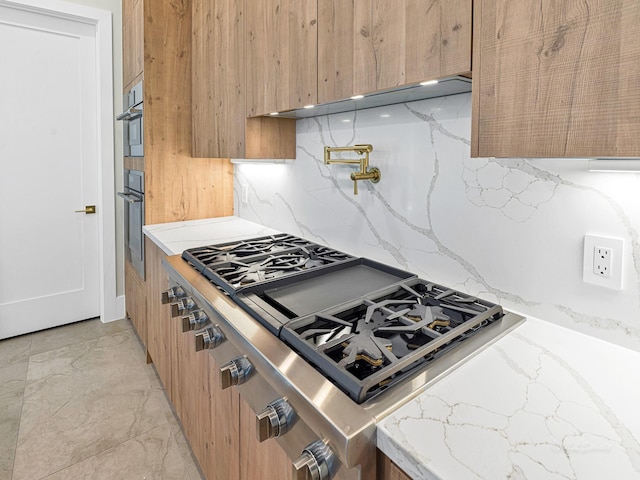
point(238, 265)
point(371, 343)
point(235, 275)
point(203, 257)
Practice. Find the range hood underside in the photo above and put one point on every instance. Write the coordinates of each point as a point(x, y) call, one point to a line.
point(446, 86)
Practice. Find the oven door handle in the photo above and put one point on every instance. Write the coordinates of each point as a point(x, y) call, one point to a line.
point(130, 197)
point(130, 114)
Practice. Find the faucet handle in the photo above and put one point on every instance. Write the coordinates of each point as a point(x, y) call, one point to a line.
point(372, 175)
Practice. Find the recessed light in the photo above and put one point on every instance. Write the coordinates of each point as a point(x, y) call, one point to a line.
point(430, 82)
point(357, 97)
point(385, 115)
point(273, 114)
point(345, 120)
point(309, 106)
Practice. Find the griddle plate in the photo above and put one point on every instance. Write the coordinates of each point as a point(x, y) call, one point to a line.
point(315, 294)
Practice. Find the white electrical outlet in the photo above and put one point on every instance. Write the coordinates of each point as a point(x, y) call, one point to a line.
point(602, 263)
point(244, 195)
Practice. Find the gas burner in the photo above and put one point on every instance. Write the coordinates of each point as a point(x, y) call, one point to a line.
point(318, 256)
point(365, 338)
point(373, 342)
point(287, 259)
point(238, 274)
point(259, 269)
point(203, 257)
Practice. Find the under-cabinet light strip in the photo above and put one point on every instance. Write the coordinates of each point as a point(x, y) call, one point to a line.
point(615, 165)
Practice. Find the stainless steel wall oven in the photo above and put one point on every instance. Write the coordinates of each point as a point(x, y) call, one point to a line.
point(134, 218)
point(133, 133)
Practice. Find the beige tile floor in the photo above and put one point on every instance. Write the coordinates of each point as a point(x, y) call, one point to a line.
point(79, 402)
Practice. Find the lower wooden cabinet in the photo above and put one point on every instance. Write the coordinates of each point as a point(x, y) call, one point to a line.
point(136, 304)
point(160, 335)
point(223, 447)
point(210, 416)
point(191, 396)
point(387, 470)
point(219, 425)
point(260, 460)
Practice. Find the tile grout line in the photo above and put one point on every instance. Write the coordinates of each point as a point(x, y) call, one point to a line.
point(113, 447)
point(29, 356)
point(24, 390)
point(176, 437)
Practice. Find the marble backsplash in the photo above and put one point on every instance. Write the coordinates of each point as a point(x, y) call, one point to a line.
point(507, 230)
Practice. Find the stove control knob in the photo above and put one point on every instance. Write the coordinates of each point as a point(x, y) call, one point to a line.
point(173, 294)
point(209, 338)
point(274, 420)
point(194, 321)
point(235, 372)
point(315, 463)
point(183, 306)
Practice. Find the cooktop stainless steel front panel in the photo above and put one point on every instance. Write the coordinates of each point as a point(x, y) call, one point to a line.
point(328, 412)
point(347, 427)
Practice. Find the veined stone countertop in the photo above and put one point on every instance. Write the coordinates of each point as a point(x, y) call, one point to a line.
point(173, 238)
point(542, 403)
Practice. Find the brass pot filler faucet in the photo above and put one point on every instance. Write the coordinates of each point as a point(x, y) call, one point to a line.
point(365, 172)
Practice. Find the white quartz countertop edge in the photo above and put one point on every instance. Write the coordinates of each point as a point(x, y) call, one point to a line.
point(544, 402)
point(173, 238)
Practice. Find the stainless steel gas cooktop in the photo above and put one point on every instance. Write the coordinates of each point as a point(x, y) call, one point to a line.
point(340, 341)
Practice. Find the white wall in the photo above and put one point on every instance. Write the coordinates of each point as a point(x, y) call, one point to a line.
point(115, 7)
point(509, 231)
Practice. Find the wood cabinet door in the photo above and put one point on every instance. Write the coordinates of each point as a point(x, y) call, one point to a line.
point(387, 470)
point(281, 55)
point(219, 124)
point(260, 460)
point(370, 45)
point(134, 292)
point(218, 78)
point(177, 187)
point(159, 326)
point(191, 392)
point(132, 41)
point(556, 79)
point(223, 455)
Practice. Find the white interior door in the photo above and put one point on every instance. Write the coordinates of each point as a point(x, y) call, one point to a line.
point(49, 254)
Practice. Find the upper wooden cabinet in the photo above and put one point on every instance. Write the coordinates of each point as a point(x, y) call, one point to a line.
point(177, 186)
point(367, 45)
point(556, 79)
point(218, 78)
point(132, 40)
point(282, 40)
point(220, 126)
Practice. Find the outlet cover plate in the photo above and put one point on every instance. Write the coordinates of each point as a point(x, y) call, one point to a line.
point(615, 245)
point(244, 196)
